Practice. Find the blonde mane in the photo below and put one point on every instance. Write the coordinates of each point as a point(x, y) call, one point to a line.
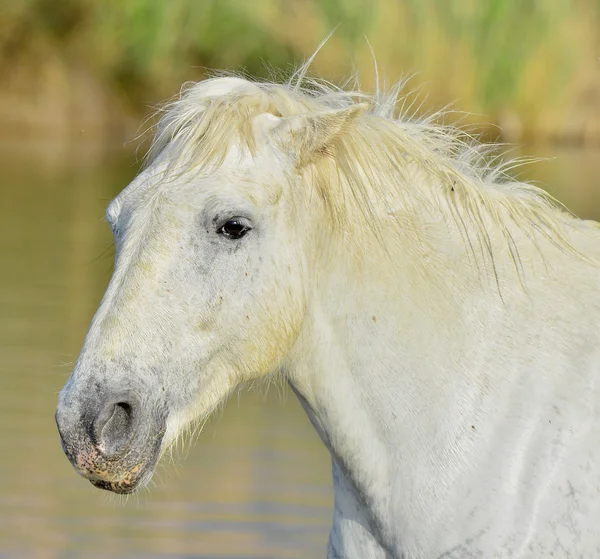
point(372, 161)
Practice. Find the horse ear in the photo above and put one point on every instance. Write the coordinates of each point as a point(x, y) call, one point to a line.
point(307, 136)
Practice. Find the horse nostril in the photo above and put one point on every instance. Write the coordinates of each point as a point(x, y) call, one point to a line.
point(114, 428)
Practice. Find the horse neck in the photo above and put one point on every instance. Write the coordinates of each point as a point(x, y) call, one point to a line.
point(376, 370)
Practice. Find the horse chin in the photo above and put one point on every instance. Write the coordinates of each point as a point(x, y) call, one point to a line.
point(131, 480)
point(123, 474)
point(125, 486)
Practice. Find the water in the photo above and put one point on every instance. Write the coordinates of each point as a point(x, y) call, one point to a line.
point(257, 482)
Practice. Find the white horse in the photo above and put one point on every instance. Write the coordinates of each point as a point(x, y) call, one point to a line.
point(438, 321)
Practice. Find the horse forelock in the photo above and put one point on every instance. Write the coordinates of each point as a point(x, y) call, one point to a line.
point(373, 162)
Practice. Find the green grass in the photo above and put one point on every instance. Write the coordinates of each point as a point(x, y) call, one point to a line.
point(529, 60)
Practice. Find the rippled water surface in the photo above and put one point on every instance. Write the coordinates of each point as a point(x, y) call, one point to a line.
point(257, 481)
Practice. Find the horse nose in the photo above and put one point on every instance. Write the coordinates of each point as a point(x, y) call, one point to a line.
point(57, 419)
point(115, 424)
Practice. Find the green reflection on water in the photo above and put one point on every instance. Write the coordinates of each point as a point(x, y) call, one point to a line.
point(257, 483)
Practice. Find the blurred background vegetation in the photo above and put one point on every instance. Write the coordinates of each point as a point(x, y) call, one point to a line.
point(530, 66)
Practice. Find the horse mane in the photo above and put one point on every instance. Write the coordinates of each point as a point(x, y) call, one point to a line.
point(386, 156)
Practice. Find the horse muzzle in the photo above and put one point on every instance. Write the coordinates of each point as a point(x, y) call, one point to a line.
point(110, 440)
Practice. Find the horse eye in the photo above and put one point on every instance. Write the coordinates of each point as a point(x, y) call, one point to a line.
point(234, 229)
